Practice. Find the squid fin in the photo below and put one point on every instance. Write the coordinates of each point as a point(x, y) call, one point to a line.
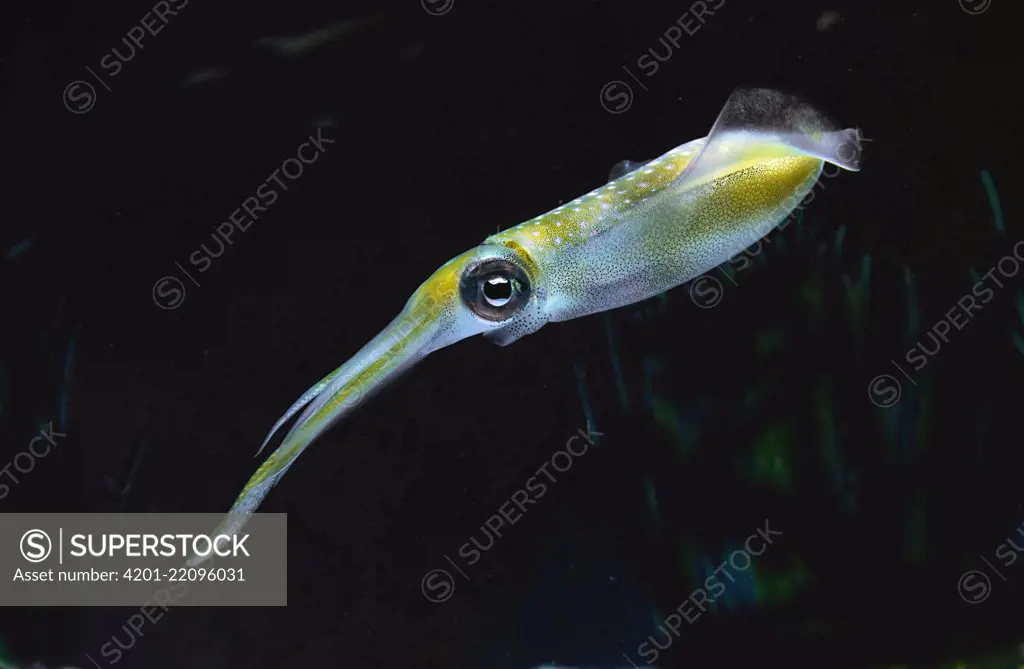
point(624, 167)
point(761, 124)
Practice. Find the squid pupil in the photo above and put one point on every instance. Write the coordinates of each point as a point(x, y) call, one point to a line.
point(497, 290)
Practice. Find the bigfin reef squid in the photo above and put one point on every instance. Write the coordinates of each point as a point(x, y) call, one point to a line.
point(652, 227)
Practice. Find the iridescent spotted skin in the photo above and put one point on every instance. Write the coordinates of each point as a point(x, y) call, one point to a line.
point(648, 230)
point(566, 244)
point(645, 233)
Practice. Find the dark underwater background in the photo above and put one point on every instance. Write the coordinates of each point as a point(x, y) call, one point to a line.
point(779, 389)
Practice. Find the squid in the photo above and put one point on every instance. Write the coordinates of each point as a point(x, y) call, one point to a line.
point(653, 226)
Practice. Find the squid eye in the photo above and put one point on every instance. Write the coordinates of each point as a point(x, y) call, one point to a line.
point(495, 290)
